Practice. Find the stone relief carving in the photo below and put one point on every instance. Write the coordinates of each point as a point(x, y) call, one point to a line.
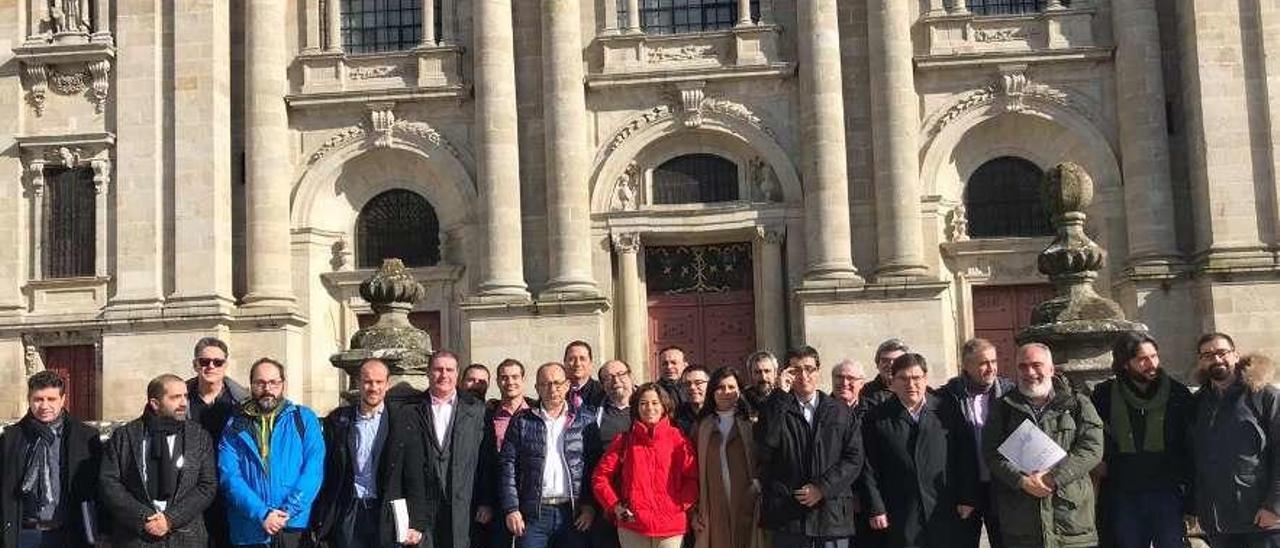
point(641, 121)
point(690, 96)
point(1000, 35)
point(764, 181)
point(628, 188)
point(958, 224)
point(94, 76)
point(69, 83)
point(383, 128)
point(691, 52)
point(376, 72)
point(31, 357)
point(341, 254)
point(1015, 91)
point(626, 242)
point(383, 120)
point(68, 16)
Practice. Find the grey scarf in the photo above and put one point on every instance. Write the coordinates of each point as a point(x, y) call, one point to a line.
point(37, 477)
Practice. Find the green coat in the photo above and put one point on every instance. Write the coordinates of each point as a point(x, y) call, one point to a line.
point(1065, 519)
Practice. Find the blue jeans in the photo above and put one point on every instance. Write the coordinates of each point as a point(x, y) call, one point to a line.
point(1148, 518)
point(789, 540)
point(552, 527)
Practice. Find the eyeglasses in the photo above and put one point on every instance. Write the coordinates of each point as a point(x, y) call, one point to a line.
point(809, 370)
point(210, 362)
point(1219, 353)
point(268, 384)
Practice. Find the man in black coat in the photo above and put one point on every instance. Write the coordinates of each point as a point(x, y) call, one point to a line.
point(584, 391)
point(159, 473)
point(919, 481)
point(352, 510)
point(50, 470)
point(809, 451)
point(212, 398)
point(877, 391)
point(447, 460)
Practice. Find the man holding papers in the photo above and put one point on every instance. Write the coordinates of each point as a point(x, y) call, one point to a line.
point(1040, 479)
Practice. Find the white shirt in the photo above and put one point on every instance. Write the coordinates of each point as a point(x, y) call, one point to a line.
point(441, 413)
point(555, 479)
point(808, 407)
point(160, 505)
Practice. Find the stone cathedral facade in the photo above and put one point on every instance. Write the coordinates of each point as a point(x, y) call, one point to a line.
point(725, 175)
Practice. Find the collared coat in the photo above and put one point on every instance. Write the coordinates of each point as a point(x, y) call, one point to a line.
point(445, 480)
point(791, 453)
point(1064, 519)
point(81, 455)
point(744, 510)
point(918, 472)
point(338, 489)
point(124, 488)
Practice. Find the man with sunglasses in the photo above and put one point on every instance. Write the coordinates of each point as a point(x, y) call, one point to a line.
point(212, 397)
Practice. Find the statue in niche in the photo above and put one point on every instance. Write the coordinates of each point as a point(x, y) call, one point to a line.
point(627, 188)
point(959, 224)
point(764, 181)
point(68, 16)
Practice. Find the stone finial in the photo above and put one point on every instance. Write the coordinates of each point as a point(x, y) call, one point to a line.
point(391, 292)
point(391, 287)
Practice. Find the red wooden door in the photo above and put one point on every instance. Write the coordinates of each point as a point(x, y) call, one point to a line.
point(428, 321)
point(701, 299)
point(78, 366)
point(1000, 312)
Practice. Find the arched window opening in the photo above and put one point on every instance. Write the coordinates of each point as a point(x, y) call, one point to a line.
point(1003, 199)
point(695, 178)
point(397, 223)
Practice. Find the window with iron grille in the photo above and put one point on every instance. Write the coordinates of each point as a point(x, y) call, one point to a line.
point(1003, 199)
point(397, 224)
point(70, 218)
point(1007, 7)
point(686, 16)
point(372, 26)
point(695, 178)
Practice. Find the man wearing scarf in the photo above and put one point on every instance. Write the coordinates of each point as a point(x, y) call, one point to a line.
point(158, 473)
point(1145, 468)
point(270, 463)
point(50, 468)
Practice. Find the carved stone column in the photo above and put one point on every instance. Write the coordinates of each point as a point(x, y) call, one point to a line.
point(633, 17)
point(610, 11)
point(894, 123)
point(565, 108)
point(267, 168)
point(498, 152)
point(101, 181)
point(1148, 195)
point(632, 304)
point(771, 307)
point(428, 23)
point(35, 170)
point(448, 20)
point(824, 167)
point(313, 20)
point(744, 13)
point(333, 22)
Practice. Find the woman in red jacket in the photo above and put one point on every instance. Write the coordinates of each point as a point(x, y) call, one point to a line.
point(648, 478)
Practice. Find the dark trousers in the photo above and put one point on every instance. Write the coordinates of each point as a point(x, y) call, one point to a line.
point(35, 538)
point(552, 528)
point(359, 526)
point(215, 523)
point(1145, 519)
point(1248, 540)
point(288, 538)
point(984, 514)
point(864, 536)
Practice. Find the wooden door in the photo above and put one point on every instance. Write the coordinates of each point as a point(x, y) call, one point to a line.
point(78, 366)
point(701, 299)
point(1000, 312)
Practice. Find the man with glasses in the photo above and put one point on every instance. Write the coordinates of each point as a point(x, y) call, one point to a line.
point(809, 452)
point(212, 398)
point(270, 463)
point(877, 391)
point(546, 465)
point(1234, 446)
point(614, 416)
point(694, 381)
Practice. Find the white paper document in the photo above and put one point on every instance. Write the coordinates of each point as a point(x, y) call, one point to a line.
point(400, 510)
point(1031, 450)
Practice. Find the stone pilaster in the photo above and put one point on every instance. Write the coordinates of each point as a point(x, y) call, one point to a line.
point(498, 152)
point(1148, 195)
point(202, 155)
point(895, 121)
point(140, 136)
point(824, 167)
point(565, 116)
point(267, 167)
point(771, 299)
point(632, 304)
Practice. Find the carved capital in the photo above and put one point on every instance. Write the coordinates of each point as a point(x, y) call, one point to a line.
point(35, 173)
point(101, 174)
point(771, 235)
point(626, 242)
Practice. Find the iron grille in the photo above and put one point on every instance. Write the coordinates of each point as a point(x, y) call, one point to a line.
point(695, 178)
point(1006, 7)
point(69, 225)
point(718, 268)
point(1003, 199)
point(372, 26)
point(687, 16)
point(401, 224)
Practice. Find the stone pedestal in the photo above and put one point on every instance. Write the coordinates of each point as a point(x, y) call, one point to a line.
point(405, 349)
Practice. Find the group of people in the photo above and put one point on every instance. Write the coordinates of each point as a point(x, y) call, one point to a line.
point(725, 458)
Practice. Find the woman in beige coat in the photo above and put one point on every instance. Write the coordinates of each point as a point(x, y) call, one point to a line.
point(728, 493)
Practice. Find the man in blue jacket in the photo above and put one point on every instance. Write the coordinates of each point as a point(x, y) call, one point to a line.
point(270, 463)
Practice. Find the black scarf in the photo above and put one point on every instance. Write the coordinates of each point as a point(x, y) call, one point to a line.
point(162, 463)
point(37, 476)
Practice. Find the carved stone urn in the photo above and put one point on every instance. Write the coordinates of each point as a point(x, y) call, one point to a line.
point(1077, 324)
point(391, 292)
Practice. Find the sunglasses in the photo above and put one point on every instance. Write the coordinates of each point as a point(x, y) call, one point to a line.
point(210, 362)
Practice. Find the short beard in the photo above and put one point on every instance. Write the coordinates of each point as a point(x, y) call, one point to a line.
point(1219, 372)
point(1036, 391)
point(267, 403)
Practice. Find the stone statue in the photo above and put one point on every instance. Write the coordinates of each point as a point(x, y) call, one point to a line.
point(69, 16)
point(959, 224)
point(32, 359)
point(764, 181)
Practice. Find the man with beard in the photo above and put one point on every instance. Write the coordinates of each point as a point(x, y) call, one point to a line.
point(1146, 462)
point(974, 391)
point(762, 369)
point(1234, 442)
point(1053, 507)
point(877, 391)
point(270, 463)
point(918, 485)
point(615, 415)
point(671, 367)
point(583, 390)
point(351, 510)
point(159, 473)
point(50, 470)
point(475, 380)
